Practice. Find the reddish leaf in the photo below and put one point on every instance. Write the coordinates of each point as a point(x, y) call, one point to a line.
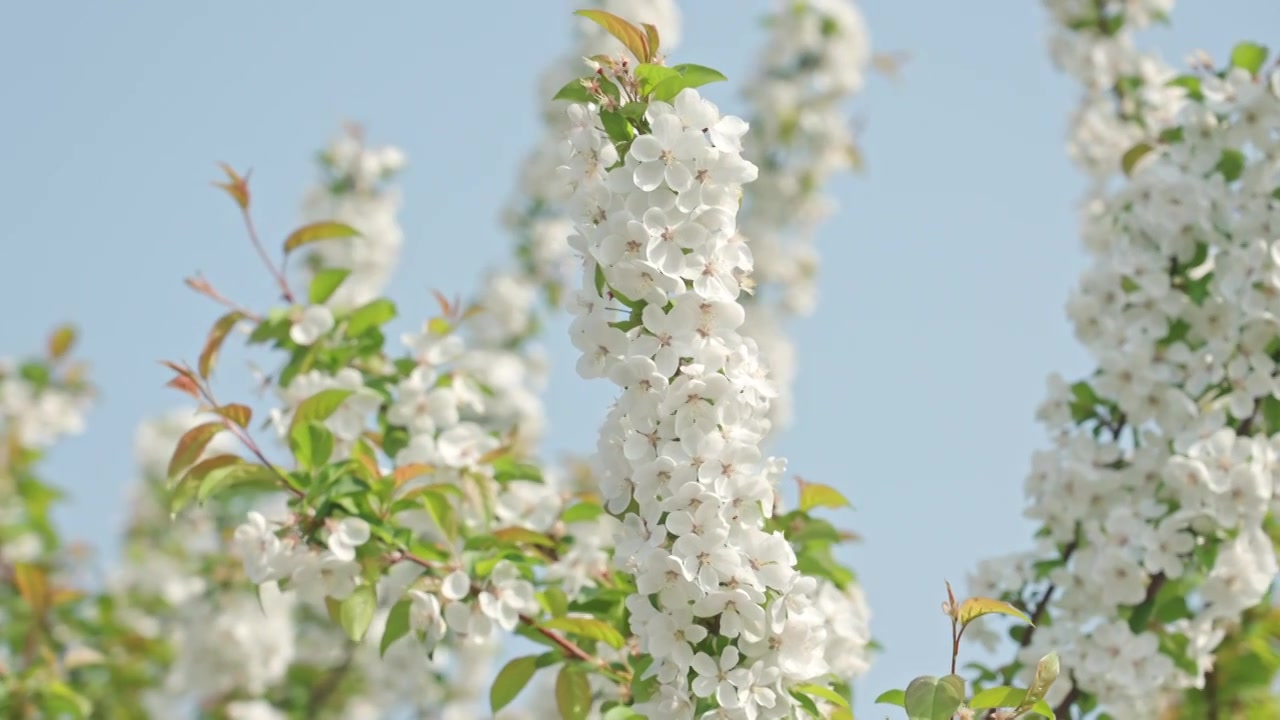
point(237, 187)
point(236, 413)
point(186, 385)
point(631, 36)
point(405, 473)
point(213, 343)
point(651, 34)
point(192, 445)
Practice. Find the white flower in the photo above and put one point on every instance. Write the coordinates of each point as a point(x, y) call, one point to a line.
point(313, 323)
point(346, 535)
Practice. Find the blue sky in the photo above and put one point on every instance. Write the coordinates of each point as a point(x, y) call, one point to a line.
point(943, 279)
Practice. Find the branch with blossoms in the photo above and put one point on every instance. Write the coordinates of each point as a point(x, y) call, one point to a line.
point(1158, 502)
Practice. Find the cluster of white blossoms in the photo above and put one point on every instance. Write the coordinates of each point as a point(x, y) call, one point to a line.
point(355, 190)
point(1154, 500)
point(813, 62)
point(720, 606)
point(33, 416)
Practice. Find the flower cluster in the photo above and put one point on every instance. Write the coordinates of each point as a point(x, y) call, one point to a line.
point(355, 190)
point(729, 623)
point(813, 62)
point(1157, 502)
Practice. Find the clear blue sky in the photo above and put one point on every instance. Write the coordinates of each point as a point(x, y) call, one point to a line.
point(944, 276)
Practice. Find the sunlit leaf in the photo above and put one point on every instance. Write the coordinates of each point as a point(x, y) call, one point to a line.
point(814, 495)
point(61, 341)
point(325, 284)
point(214, 341)
point(573, 693)
point(237, 187)
point(33, 586)
point(632, 38)
point(931, 698)
point(317, 231)
point(236, 413)
point(191, 445)
point(1249, 56)
point(356, 612)
point(397, 625)
point(319, 407)
point(588, 628)
point(511, 680)
point(974, 608)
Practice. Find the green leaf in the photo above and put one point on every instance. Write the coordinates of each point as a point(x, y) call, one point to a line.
point(519, 535)
point(1249, 56)
point(892, 697)
point(931, 698)
point(441, 512)
point(823, 692)
point(1132, 156)
point(371, 315)
point(312, 444)
point(1004, 696)
point(632, 37)
point(325, 284)
point(185, 490)
point(192, 445)
point(574, 91)
point(651, 75)
point(1231, 164)
point(1046, 673)
point(691, 76)
point(588, 628)
point(318, 407)
point(616, 126)
point(507, 468)
point(511, 680)
point(356, 611)
point(814, 495)
point(581, 512)
point(236, 475)
point(315, 232)
point(573, 693)
point(974, 608)
point(59, 700)
point(397, 625)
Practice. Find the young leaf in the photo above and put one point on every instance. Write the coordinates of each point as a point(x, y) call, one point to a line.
point(651, 34)
point(187, 487)
point(1132, 156)
point(33, 586)
point(651, 75)
point(814, 495)
point(236, 413)
point(511, 680)
point(237, 187)
point(574, 91)
point(573, 693)
point(221, 328)
point(823, 692)
point(588, 628)
point(374, 314)
point(517, 535)
point(325, 284)
point(315, 232)
point(1249, 56)
point(60, 342)
point(59, 700)
point(581, 512)
point(312, 444)
point(191, 445)
point(234, 475)
point(931, 698)
point(319, 407)
point(691, 76)
point(632, 38)
point(974, 608)
point(356, 612)
point(441, 512)
point(1046, 673)
point(892, 697)
point(397, 625)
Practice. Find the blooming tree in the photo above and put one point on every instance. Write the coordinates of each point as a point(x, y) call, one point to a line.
point(1157, 501)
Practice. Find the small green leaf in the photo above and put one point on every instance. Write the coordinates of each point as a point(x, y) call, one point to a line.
point(574, 91)
point(59, 700)
point(588, 628)
point(312, 444)
point(814, 495)
point(931, 698)
point(325, 284)
point(1249, 56)
point(185, 490)
point(691, 76)
point(823, 692)
point(441, 512)
point(319, 407)
point(397, 626)
point(519, 535)
point(1046, 673)
point(507, 468)
point(581, 512)
point(511, 680)
point(236, 475)
point(616, 126)
point(892, 697)
point(371, 315)
point(1231, 164)
point(1132, 156)
point(356, 612)
point(651, 75)
point(315, 232)
point(974, 608)
point(213, 343)
point(573, 693)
